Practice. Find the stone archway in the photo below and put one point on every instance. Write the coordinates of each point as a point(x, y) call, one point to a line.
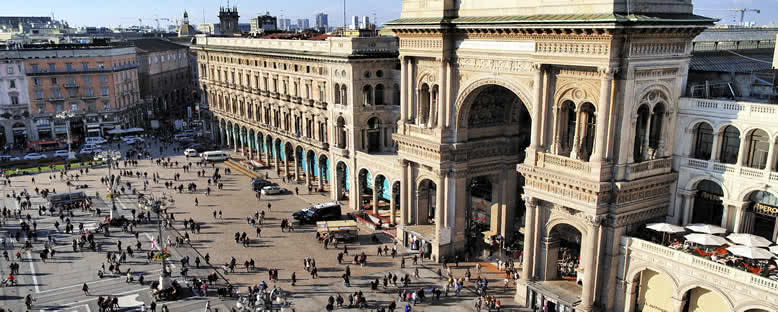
point(651, 290)
point(701, 299)
point(342, 185)
point(324, 173)
point(365, 189)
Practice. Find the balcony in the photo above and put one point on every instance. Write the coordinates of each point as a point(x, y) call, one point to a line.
point(648, 168)
point(321, 105)
point(339, 151)
point(275, 95)
point(736, 284)
point(309, 102)
point(71, 85)
point(56, 98)
point(562, 163)
point(750, 174)
point(285, 97)
point(297, 100)
point(729, 109)
point(264, 93)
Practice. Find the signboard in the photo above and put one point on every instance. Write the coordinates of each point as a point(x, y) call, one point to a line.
point(765, 210)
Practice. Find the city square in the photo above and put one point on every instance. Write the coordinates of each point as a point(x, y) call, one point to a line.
point(57, 283)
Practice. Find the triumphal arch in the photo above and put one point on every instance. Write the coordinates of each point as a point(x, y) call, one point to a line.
point(549, 117)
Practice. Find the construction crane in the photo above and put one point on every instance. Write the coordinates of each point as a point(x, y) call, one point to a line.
point(741, 10)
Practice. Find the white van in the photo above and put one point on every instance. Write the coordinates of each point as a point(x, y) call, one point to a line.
point(94, 140)
point(215, 156)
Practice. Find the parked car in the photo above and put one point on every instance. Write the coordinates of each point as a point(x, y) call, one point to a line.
point(61, 154)
point(35, 156)
point(321, 212)
point(14, 158)
point(258, 184)
point(5, 157)
point(273, 190)
point(190, 152)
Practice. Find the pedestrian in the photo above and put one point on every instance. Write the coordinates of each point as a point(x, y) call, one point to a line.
point(85, 288)
point(153, 306)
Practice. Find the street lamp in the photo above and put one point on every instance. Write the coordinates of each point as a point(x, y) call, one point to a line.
point(66, 116)
point(109, 155)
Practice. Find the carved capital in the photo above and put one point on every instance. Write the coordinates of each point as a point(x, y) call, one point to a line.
point(529, 201)
point(595, 221)
point(536, 67)
point(607, 72)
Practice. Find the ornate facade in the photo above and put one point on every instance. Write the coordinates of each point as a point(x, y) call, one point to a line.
point(318, 111)
point(567, 118)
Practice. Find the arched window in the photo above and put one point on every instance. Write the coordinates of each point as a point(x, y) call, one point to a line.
point(758, 146)
point(379, 94)
point(639, 151)
point(424, 104)
point(587, 140)
point(344, 94)
point(341, 132)
point(373, 132)
point(367, 95)
point(703, 141)
point(656, 126)
point(708, 206)
point(568, 123)
point(337, 93)
point(730, 145)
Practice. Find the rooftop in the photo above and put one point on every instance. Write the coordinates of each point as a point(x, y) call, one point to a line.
point(737, 34)
point(332, 46)
point(556, 18)
point(155, 45)
point(731, 61)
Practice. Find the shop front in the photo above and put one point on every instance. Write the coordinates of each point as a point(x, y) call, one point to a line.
point(762, 215)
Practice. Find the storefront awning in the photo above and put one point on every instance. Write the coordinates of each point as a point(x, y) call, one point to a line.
point(43, 142)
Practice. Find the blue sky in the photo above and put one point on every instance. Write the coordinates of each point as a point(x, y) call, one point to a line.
point(126, 13)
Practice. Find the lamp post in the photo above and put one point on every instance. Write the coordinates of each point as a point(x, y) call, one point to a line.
point(66, 116)
point(109, 155)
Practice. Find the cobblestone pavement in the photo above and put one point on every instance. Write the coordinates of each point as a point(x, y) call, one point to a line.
point(56, 285)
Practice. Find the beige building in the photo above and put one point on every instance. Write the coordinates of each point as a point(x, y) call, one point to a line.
point(164, 69)
point(309, 109)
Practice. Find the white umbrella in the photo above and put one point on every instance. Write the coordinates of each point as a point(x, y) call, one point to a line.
point(773, 249)
point(749, 240)
point(750, 252)
point(706, 239)
point(665, 227)
point(706, 228)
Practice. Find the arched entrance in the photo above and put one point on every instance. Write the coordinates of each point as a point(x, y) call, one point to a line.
point(563, 253)
point(288, 157)
point(493, 115)
point(299, 163)
point(708, 205)
point(395, 202)
point(19, 131)
point(762, 215)
point(365, 189)
point(342, 182)
point(653, 291)
point(703, 300)
point(381, 195)
point(426, 202)
point(324, 173)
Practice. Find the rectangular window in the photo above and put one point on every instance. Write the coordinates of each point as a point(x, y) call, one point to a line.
point(88, 92)
point(55, 92)
point(14, 100)
point(54, 81)
point(38, 94)
point(41, 108)
point(103, 78)
point(36, 81)
point(149, 60)
point(72, 92)
point(52, 67)
point(74, 107)
point(100, 65)
point(87, 79)
point(85, 66)
point(34, 68)
point(69, 67)
point(104, 91)
point(12, 84)
point(10, 69)
point(58, 108)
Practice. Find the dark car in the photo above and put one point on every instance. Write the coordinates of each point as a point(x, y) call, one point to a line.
point(322, 212)
point(257, 184)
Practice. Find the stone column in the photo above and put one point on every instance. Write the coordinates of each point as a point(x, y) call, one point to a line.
point(770, 158)
point(629, 296)
point(442, 100)
point(647, 139)
point(381, 131)
point(375, 195)
point(439, 199)
point(296, 167)
point(537, 107)
point(268, 152)
point(603, 114)
point(321, 177)
point(403, 88)
point(392, 213)
point(686, 207)
point(741, 152)
point(529, 237)
point(590, 266)
point(714, 151)
point(404, 193)
point(277, 157)
point(411, 194)
point(576, 146)
point(557, 116)
point(496, 209)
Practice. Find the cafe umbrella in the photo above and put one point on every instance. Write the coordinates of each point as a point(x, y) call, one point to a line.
point(750, 252)
point(773, 249)
point(706, 228)
point(749, 240)
point(706, 239)
point(665, 228)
